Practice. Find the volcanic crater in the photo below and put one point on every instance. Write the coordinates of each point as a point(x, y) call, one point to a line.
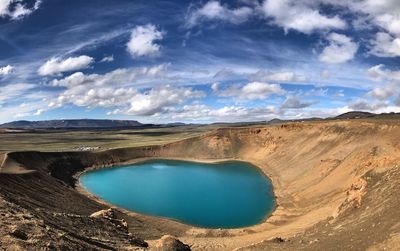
point(336, 185)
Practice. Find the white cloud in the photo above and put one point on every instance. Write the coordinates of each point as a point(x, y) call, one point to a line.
point(201, 112)
point(26, 109)
point(107, 59)
point(383, 93)
point(118, 77)
point(12, 91)
point(213, 10)
point(252, 91)
point(16, 9)
point(376, 72)
point(159, 100)
point(289, 14)
point(340, 49)
point(56, 66)
point(391, 82)
point(142, 42)
point(296, 15)
point(383, 15)
point(295, 103)
point(390, 22)
point(118, 90)
point(366, 105)
point(5, 70)
point(379, 73)
point(20, 100)
point(386, 45)
point(284, 76)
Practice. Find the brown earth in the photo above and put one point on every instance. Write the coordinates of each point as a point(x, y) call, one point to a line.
point(336, 183)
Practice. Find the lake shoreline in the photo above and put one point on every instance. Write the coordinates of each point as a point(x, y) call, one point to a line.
point(176, 224)
point(192, 169)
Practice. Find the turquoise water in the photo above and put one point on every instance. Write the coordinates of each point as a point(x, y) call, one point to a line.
point(222, 195)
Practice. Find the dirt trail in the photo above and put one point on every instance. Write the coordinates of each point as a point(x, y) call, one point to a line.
point(332, 180)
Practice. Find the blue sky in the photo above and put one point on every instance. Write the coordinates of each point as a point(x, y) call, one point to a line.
point(197, 61)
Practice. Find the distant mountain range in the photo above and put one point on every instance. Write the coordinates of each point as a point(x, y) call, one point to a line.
point(71, 123)
point(365, 115)
point(119, 124)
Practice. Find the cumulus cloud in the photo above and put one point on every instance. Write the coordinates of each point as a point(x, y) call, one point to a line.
point(390, 79)
point(297, 15)
point(5, 70)
point(383, 15)
point(158, 100)
point(55, 66)
point(302, 16)
point(117, 77)
point(17, 9)
point(386, 45)
point(390, 22)
point(201, 112)
point(376, 72)
point(379, 72)
point(143, 41)
point(295, 103)
point(383, 93)
point(340, 49)
point(116, 90)
point(366, 105)
point(214, 10)
point(252, 91)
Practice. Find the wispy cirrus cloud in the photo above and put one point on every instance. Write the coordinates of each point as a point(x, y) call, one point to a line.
point(250, 91)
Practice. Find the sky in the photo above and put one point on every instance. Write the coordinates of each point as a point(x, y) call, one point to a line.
point(197, 61)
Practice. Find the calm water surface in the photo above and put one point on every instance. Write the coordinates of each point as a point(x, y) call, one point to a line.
point(223, 195)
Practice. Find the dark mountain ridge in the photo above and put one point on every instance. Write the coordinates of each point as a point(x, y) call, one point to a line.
point(72, 123)
point(126, 124)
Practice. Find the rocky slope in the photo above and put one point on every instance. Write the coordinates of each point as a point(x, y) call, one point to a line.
point(335, 182)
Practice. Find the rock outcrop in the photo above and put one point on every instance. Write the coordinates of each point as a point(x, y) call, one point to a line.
point(171, 243)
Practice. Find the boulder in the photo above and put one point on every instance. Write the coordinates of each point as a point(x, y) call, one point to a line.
point(171, 243)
